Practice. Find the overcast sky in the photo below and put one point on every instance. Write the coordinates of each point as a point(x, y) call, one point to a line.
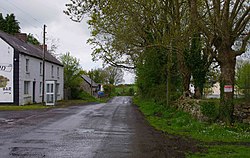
point(71, 36)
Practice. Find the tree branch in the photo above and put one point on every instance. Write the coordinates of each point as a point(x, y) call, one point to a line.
point(244, 44)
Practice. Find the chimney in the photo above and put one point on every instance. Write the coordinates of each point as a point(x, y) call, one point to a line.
point(41, 47)
point(22, 36)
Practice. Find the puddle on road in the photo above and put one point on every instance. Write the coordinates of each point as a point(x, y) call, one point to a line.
point(6, 121)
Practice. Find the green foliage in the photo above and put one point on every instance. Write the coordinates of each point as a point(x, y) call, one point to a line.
point(72, 73)
point(125, 90)
point(243, 80)
point(9, 24)
point(80, 94)
point(210, 109)
point(31, 39)
point(171, 120)
point(98, 75)
point(109, 89)
point(19, 108)
point(198, 62)
point(109, 75)
point(152, 76)
point(228, 151)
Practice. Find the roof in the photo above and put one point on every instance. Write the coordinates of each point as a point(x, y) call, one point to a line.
point(27, 48)
point(89, 81)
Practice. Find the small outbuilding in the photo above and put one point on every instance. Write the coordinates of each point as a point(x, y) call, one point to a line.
point(89, 86)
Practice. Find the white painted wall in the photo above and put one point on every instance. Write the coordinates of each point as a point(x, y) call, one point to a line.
point(34, 75)
point(6, 71)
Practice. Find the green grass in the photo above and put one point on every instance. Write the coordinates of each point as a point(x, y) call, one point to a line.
point(176, 122)
point(124, 90)
point(85, 98)
point(227, 151)
point(18, 108)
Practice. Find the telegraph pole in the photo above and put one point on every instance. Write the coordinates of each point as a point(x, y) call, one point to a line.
point(43, 85)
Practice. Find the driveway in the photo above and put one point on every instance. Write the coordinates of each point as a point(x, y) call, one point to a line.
point(112, 130)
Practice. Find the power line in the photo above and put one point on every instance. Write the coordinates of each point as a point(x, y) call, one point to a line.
point(20, 17)
point(25, 12)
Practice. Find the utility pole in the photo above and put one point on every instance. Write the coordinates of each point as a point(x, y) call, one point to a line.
point(43, 85)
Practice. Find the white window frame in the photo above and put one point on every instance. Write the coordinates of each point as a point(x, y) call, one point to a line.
point(26, 88)
point(27, 65)
point(52, 71)
point(57, 89)
point(57, 72)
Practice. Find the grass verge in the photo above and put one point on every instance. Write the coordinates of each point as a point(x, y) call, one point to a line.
point(172, 121)
point(65, 103)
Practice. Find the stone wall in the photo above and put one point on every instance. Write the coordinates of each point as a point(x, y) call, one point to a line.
point(192, 106)
point(242, 112)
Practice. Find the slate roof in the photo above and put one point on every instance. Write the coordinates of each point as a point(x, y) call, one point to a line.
point(88, 80)
point(27, 48)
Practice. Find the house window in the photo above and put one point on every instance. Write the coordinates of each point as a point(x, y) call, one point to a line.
point(27, 65)
point(57, 88)
point(57, 72)
point(52, 71)
point(41, 88)
point(26, 87)
point(41, 68)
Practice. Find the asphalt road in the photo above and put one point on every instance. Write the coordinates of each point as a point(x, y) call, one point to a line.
point(113, 130)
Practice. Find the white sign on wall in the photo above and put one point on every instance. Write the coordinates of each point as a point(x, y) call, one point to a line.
point(6, 72)
point(228, 88)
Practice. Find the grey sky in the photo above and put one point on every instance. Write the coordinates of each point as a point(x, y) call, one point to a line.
point(72, 36)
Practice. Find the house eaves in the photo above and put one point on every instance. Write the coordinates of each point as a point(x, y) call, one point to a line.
point(27, 48)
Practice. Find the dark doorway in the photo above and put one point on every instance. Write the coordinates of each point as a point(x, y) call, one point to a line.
point(34, 92)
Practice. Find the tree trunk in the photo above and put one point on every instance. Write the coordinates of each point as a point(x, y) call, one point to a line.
point(227, 80)
point(186, 75)
point(197, 93)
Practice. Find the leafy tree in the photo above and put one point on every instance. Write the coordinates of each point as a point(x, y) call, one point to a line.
point(114, 75)
point(72, 73)
point(2, 22)
point(198, 61)
point(243, 79)
point(31, 39)
point(123, 30)
point(11, 24)
point(98, 75)
point(225, 24)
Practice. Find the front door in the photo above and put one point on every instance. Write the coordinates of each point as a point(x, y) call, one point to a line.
point(34, 92)
point(50, 92)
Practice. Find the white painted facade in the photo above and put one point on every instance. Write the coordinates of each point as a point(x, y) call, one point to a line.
point(6, 72)
point(34, 77)
point(21, 74)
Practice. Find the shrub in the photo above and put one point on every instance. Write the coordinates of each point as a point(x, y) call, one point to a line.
point(109, 89)
point(210, 109)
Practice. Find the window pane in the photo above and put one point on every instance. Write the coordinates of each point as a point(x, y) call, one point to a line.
point(52, 88)
point(48, 88)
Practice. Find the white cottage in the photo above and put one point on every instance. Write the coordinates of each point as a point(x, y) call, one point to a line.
point(21, 72)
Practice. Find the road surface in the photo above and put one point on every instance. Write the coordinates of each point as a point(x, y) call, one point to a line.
point(112, 130)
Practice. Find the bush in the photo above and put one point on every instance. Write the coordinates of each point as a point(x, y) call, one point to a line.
point(131, 91)
point(109, 89)
point(210, 109)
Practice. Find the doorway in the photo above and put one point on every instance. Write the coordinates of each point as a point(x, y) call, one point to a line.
point(34, 92)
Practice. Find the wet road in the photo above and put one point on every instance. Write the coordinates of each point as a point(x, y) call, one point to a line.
point(112, 130)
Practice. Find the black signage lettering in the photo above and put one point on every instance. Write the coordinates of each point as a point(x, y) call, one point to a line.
point(2, 68)
point(7, 89)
